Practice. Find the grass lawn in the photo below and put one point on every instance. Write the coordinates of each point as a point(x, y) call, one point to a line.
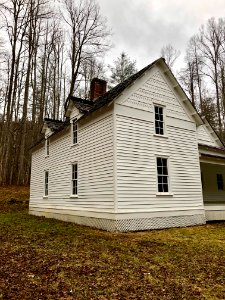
point(49, 259)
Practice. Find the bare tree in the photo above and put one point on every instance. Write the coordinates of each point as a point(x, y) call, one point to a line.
point(191, 75)
point(170, 54)
point(88, 34)
point(36, 12)
point(14, 16)
point(37, 71)
point(90, 68)
point(210, 39)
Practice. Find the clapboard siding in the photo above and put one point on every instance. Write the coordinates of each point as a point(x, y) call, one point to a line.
point(211, 194)
point(116, 155)
point(204, 136)
point(94, 155)
point(136, 167)
point(155, 89)
point(138, 147)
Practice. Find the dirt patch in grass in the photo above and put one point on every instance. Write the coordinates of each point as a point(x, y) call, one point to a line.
point(14, 198)
point(49, 259)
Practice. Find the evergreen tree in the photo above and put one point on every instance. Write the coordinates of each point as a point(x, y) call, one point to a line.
point(122, 69)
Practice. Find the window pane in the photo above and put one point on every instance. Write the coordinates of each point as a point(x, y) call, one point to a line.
point(160, 179)
point(159, 169)
point(165, 171)
point(165, 188)
point(162, 172)
point(160, 188)
point(74, 187)
point(74, 178)
point(164, 162)
point(160, 110)
point(159, 120)
point(161, 131)
point(159, 161)
point(75, 131)
point(47, 147)
point(46, 183)
point(219, 181)
point(157, 130)
point(164, 179)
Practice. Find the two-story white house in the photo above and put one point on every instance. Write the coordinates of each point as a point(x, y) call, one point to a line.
point(136, 157)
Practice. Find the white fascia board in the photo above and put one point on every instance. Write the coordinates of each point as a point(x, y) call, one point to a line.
point(46, 130)
point(72, 112)
point(212, 132)
point(211, 152)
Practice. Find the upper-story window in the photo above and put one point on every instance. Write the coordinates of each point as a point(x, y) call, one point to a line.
point(47, 147)
point(163, 177)
point(220, 181)
point(159, 120)
point(74, 131)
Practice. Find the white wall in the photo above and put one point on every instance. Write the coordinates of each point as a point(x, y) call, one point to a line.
point(94, 155)
point(204, 136)
point(137, 148)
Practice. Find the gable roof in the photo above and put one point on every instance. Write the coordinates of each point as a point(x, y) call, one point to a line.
point(54, 125)
point(88, 106)
point(82, 104)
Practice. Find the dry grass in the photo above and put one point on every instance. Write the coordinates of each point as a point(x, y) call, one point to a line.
point(14, 198)
point(48, 259)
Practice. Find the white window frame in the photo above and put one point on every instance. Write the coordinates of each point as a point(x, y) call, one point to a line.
point(74, 179)
point(74, 122)
point(163, 122)
point(47, 144)
point(46, 184)
point(169, 193)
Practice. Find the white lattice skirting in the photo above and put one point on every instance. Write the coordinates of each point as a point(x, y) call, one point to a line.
point(129, 224)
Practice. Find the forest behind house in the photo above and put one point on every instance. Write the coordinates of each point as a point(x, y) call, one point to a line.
point(50, 50)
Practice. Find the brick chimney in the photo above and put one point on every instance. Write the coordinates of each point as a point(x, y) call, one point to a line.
point(98, 88)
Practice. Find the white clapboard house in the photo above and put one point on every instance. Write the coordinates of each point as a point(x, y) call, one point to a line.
point(136, 157)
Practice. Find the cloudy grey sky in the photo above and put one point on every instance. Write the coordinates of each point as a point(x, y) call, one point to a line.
point(142, 27)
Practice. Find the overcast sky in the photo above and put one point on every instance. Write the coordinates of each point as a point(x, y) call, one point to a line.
point(142, 27)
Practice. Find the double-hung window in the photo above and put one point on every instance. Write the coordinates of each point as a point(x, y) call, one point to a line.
point(159, 120)
point(46, 182)
point(162, 175)
point(220, 181)
point(74, 131)
point(47, 147)
point(74, 179)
